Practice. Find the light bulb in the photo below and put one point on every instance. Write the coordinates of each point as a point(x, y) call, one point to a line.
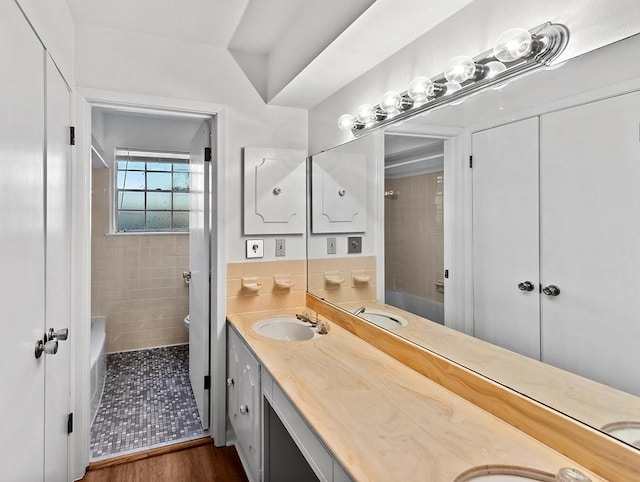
point(452, 87)
point(495, 68)
point(345, 122)
point(460, 68)
point(364, 113)
point(420, 89)
point(389, 102)
point(512, 45)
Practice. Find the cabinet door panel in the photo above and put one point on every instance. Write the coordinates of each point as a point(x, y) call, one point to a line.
point(249, 431)
point(505, 236)
point(58, 271)
point(590, 168)
point(22, 287)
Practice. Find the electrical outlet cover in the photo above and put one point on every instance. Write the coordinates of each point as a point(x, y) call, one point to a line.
point(280, 247)
point(354, 244)
point(255, 248)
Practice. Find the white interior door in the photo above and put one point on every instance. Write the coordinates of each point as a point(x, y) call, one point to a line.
point(200, 266)
point(505, 236)
point(58, 271)
point(22, 240)
point(590, 168)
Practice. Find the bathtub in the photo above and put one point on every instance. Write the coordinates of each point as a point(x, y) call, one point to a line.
point(98, 362)
point(424, 307)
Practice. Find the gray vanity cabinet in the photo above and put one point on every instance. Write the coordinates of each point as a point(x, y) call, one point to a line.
point(244, 402)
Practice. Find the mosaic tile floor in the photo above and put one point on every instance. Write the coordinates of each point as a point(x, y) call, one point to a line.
point(147, 401)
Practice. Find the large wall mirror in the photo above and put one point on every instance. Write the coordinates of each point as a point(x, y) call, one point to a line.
point(511, 218)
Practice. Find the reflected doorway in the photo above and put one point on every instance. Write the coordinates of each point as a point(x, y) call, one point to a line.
point(414, 224)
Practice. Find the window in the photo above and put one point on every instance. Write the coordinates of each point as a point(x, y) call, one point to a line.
point(152, 191)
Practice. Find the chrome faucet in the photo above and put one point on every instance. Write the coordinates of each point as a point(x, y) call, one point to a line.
point(304, 317)
point(359, 311)
point(323, 326)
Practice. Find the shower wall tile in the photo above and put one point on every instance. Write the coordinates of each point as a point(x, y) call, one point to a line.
point(414, 235)
point(136, 280)
point(270, 297)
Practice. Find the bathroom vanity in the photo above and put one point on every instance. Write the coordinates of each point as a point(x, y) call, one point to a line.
point(356, 413)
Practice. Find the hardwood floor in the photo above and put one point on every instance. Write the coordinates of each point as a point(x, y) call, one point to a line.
point(193, 461)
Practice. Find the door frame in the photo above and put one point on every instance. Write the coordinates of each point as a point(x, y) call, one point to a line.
point(84, 100)
point(455, 181)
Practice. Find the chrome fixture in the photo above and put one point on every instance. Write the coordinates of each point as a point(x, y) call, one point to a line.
point(516, 52)
point(391, 194)
point(304, 317)
point(323, 326)
point(49, 342)
point(551, 290)
point(526, 286)
point(50, 347)
point(359, 311)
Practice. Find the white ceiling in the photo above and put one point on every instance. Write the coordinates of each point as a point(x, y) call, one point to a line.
point(295, 52)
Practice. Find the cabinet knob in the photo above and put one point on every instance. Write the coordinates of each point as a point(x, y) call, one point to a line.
point(244, 409)
point(230, 382)
point(551, 290)
point(526, 286)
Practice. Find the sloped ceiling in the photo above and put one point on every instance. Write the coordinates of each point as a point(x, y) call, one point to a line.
point(295, 52)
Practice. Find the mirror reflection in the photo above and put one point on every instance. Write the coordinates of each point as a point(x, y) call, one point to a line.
point(532, 245)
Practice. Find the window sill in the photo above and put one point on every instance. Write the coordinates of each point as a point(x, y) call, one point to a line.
point(148, 233)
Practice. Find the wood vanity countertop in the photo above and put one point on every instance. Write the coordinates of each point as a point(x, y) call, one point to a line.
point(382, 420)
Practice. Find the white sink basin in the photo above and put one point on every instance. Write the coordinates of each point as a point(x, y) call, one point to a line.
point(384, 319)
point(510, 473)
point(628, 432)
point(284, 327)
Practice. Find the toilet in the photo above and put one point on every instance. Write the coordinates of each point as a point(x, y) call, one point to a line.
point(186, 324)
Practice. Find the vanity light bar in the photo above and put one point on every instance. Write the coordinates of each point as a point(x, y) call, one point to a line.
point(516, 52)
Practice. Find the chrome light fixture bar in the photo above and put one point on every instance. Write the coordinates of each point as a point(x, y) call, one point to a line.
point(516, 52)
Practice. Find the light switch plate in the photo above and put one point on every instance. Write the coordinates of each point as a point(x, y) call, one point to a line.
point(331, 246)
point(255, 248)
point(354, 244)
point(280, 247)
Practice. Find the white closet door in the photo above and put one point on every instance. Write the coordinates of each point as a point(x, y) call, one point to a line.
point(22, 239)
point(199, 264)
point(58, 271)
point(505, 236)
point(590, 211)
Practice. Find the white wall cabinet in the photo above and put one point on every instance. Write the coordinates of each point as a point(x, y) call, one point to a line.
point(253, 400)
point(339, 194)
point(35, 255)
point(505, 236)
point(274, 191)
point(573, 187)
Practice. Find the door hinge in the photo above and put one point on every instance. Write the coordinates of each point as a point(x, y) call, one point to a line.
point(72, 135)
point(207, 382)
point(470, 162)
point(446, 273)
point(207, 154)
point(70, 423)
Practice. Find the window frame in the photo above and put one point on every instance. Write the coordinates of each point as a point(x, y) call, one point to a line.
point(147, 156)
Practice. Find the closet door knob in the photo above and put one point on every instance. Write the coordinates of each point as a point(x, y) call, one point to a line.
point(230, 382)
point(551, 290)
point(526, 286)
point(244, 409)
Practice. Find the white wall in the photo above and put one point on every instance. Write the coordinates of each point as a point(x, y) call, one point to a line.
point(471, 31)
point(146, 132)
point(53, 23)
point(113, 60)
